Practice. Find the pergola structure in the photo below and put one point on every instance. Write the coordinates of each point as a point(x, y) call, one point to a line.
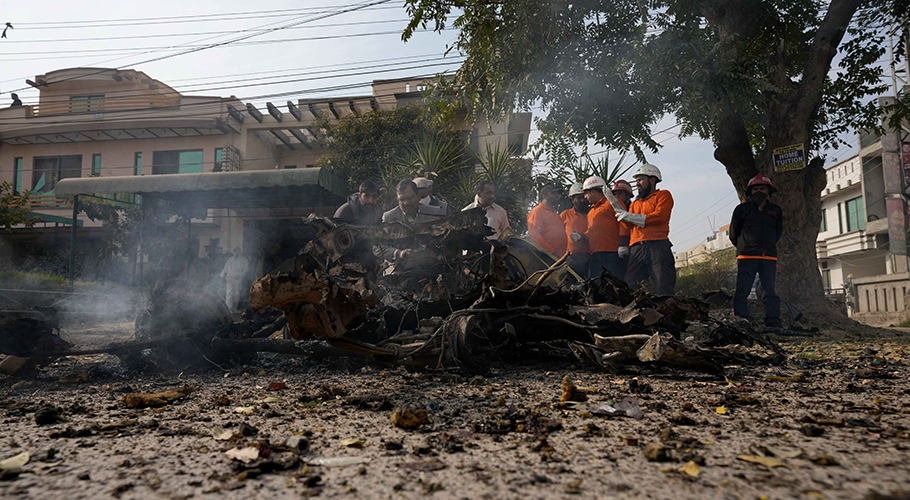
point(221, 190)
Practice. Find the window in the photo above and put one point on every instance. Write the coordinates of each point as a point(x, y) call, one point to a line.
point(219, 160)
point(137, 164)
point(177, 162)
point(96, 165)
point(826, 279)
point(86, 104)
point(824, 226)
point(48, 170)
point(840, 219)
point(290, 167)
point(17, 175)
point(856, 214)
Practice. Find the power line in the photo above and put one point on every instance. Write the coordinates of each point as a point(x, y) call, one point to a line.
point(241, 38)
point(120, 114)
point(142, 50)
point(198, 33)
point(220, 85)
point(236, 16)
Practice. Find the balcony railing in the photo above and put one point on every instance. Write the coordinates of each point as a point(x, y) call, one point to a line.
point(101, 105)
point(45, 201)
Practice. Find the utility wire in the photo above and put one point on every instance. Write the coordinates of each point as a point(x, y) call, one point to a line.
point(240, 38)
point(237, 16)
point(197, 33)
point(135, 50)
point(121, 114)
point(220, 85)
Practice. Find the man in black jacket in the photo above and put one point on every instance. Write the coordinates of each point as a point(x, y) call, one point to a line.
point(756, 226)
point(362, 208)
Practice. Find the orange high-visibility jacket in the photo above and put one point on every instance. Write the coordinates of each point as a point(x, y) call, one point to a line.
point(603, 228)
point(575, 222)
point(656, 207)
point(547, 230)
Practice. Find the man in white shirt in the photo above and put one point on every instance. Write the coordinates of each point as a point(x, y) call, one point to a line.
point(497, 218)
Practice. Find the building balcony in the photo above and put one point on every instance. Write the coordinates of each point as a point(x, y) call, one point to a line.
point(854, 241)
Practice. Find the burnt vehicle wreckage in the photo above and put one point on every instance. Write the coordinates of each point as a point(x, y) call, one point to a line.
point(455, 302)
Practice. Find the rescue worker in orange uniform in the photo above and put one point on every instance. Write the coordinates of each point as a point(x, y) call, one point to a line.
point(605, 234)
point(545, 228)
point(622, 191)
point(648, 218)
point(576, 221)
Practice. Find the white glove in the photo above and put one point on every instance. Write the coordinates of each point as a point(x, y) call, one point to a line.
point(623, 252)
point(576, 236)
point(637, 219)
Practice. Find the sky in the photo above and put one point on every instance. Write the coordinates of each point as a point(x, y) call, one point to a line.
point(311, 59)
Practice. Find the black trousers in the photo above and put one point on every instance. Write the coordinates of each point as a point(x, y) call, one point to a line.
point(609, 261)
point(579, 263)
point(745, 277)
point(652, 260)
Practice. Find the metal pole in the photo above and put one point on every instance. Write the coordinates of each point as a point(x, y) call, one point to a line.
point(73, 241)
point(141, 240)
point(189, 248)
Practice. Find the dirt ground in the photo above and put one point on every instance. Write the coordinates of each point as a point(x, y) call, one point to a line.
point(831, 423)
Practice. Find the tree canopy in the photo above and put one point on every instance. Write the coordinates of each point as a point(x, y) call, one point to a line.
point(748, 75)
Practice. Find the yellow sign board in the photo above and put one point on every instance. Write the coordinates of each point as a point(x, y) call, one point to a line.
point(787, 158)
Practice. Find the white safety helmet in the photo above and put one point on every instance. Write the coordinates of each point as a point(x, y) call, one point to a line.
point(594, 182)
point(577, 188)
point(649, 170)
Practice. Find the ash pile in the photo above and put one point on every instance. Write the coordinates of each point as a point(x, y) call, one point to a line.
point(455, 301)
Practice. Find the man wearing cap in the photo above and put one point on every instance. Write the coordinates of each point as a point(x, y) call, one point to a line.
point(648, 219)
point(605, 235)
point(755, 229)
point(432, 204)
point(362, 208)
point(485, 197)
point(576, 221)
point(545, 227)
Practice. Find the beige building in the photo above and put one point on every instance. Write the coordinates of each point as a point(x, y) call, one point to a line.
point(719, 240)
point(96, 122)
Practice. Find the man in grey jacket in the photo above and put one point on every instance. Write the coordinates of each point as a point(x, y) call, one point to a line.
point(362, 208)
point(408, 211)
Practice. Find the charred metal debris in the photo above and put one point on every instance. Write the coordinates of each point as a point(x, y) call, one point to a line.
point(455, 302)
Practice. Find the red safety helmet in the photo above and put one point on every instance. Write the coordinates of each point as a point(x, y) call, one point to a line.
point(760, 180)
point(622, 185)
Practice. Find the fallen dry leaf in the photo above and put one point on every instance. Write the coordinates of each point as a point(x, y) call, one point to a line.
point(338, 461)
point(15, 461)
point(352, 443)
point(721, 410)
point(407, 418)
point(245, 410)
point(691, 469)
point(766, 461)
point(245, 455)
point(144, 400)
point(270, 399)
point(222, 435)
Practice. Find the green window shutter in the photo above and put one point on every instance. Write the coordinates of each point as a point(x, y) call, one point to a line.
point(190, 162)
point(17, 176)
point(96, 165)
